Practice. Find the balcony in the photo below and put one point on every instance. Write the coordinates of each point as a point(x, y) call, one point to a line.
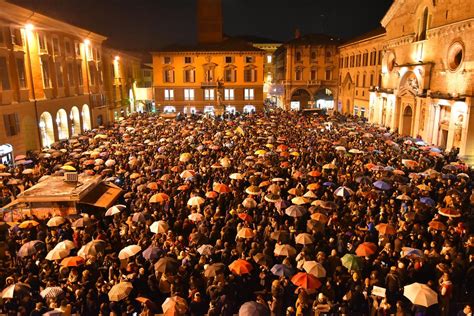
point(209, 84)
point(313, 82)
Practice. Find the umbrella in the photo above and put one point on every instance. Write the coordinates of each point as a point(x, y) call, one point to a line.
point(120, 291)
point(28, 224)
point(196, 217)
point(15, 290)
point(159, 198)
point(240, 267)
point(221, 188)
point(249, 203)
point(420, 294)
point(403, 197)
point(282, 270)
point(92, 248)
point(115, 210)
point(306, 281)
point(72, 261)
point(351, 262)
point(320, 217)
point(186, 174)
point(343, 192)
point(428, 201)
point(211, 194)
point(185, 157)
point(30, 248)
point(253, 190)
point(284, 250)
point(214, 269)
point(65, 244)
point(299, 200)
point(304, 239)
point(245, 217)
point(381, 185)
point(449, 212)
point(295, 211)
point(280, 235)
point(366, 249)
point(272, 198)
point(68, 168)
point(412, 252)
point(386, 229)
point(81, 222)
point(51, 292)
point(253, 308)
point(205, 250)
point(57, 254)
point(436, 225)
point(196, 201)
point(159, 227)
point(329, 166)
point(174, 305)
point(56, 221)
point(236, 176)
point(246, 233)
point(138, 217)
point(314, 173)
point(151, 253)
point(110, 163)
point(314, 268)
point(423, 187)
point(262, 259)
point(129, 251)
point(166, 265)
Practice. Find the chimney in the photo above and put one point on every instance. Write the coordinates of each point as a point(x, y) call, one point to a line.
point(297, 33)
point(209, 21)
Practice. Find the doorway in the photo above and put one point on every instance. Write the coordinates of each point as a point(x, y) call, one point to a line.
point(407, 119)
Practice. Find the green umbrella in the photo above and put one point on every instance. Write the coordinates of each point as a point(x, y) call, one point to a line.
point(351, 262)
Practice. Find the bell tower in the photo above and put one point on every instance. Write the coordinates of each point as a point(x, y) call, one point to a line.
point(209, 21)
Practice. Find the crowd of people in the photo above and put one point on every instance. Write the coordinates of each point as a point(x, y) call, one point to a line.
point(264, 214)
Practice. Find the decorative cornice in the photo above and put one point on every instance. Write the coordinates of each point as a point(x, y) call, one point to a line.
point(452, 28)
point(403, 40)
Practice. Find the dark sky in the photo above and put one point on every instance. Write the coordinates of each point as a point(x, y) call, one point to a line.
point(150, 24)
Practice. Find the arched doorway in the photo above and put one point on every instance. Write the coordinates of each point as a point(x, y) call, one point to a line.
point(348, 107)
point(324, 99)
point(300, 99)
point(63, 126)
point(230, 109)
point(249, 109)
point(209, 109)
point(407, 119)
point(169, 109)
point(46, 129)
point(75, 121)
point(86, 118)
point(100, 120)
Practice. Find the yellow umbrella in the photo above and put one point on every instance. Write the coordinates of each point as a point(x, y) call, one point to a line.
point(236, 176)
point(68, 168)
point(28, 224)
point(185, 157)
point(295, 154)
point(246, 233)
point(196, 201)
point(260, 152)
point(299, 200)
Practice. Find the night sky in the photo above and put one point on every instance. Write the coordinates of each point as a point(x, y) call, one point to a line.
point(151, 24)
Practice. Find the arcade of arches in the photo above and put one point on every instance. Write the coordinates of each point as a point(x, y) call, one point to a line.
point(66, 125)
point(302, 99)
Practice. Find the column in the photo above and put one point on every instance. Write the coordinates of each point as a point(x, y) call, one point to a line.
point(416, 117)
point(435, 127)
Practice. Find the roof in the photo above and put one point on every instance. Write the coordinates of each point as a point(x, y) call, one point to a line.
point(311, 39)
point(373, 33)
point(256, 39)
point(228, 45)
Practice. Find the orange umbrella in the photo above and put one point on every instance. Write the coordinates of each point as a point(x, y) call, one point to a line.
point(245, 217)
point(386, 229)
point(306, 281)
point(187, 174)
point(246, 233)
point(282, 148)
point(264, 184)
point(314, 173)
point(285, 164)
point(175, 169)
point(183, 187)
point(221, 188)
point(240, 267)
point(152, 186)
point(285, 154)
point(320, 217)
point(313, 186)
point(159, 198)
point(212, 194)
point(370, 165)
point(449, 212)
point(366, 249)
point(437, 225)
point(72, 261)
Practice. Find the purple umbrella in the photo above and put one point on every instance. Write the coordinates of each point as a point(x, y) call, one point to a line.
point(381, 185)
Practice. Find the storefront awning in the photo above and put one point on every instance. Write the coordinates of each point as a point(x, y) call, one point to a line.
point(103, 195)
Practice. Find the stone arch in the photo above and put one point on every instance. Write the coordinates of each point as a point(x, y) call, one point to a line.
point(86, 118)
point(324, 98)
point(301, 96)
point(409, 84)
point(62, 123)
point(46, 129)
point(75, 117)
point(407, 120)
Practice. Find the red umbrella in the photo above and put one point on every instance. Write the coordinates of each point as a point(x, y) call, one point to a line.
point(386, 229)
point(212, 194)
point(366, 249)
point(245, 217)
point(240, 267)
point(306, 281)
point(72, 261)
point(449, 212)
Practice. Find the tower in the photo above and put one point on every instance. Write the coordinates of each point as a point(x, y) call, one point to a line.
point(209, 21)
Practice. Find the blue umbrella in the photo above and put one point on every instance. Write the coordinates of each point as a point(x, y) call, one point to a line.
point(282, 270)
point(435, 149)
point(381, 185)
point(253, 308)
point(428, 201)
point(421, 143)
point(151, 253)
point(328, 184)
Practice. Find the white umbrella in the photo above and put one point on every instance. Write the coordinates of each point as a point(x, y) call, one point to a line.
point(420, 294)
point(129, 251)
point(196, 201)
point(159, 227)
point(115, 210)
point(65, 244)
point(196, 217)
point(120, 291)
point(56, 221)
point(57, 254)
point(205, 250)
point(314, 268)
point(16, 289)
point(51, 292)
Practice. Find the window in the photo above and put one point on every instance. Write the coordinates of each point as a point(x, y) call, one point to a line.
point(352, 61)
point(16, 37)
point(5, 77)
point(249, 59)
point(362, 112)
point(298, 57)
point(314, 74)
point(269, 59)
point(168, 76)
point(77, 49)
point(189, 75)
point(92, 73)
point(363, 80)
point(356, 110)
point(314, 55)
point(67, 46)
point(188, 60)
point(209, 74)
point(12, 125)
point(167, 60)
point(208, 94)
point(20, 67)
point(328, 74)
point(169, 94)
point(250, 75)
point(46, 73)
point(248, 94)
point(423, 26)
point(189, 94)
point(365, 59)
point(371, 80)
point(228, 94)
point(70, 74)
point(298, 74)
point(80, 79)
point(59, 75)
point(229, 59)
point(229, 75)
point(358, 61)
point(357, 80)
point(56, 46)
point(455, 55)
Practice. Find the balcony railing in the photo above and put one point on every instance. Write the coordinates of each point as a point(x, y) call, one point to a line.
point(209, 84)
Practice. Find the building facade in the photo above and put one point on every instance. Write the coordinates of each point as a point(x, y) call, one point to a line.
point(209, 78)
point(307, 70)
point(427, 73)
point(360, 62)
point(270, 92)
point(51, 87)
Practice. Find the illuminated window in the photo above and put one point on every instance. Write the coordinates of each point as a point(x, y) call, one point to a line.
point(45, 72)
point(208, 94)
point(269, 59)
point(169, 94)
point(189, 94)
point(248, 94)
point(328, 74)
point(80, 79)
point(189, 75)
point(228, 94)
point(20, 67)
